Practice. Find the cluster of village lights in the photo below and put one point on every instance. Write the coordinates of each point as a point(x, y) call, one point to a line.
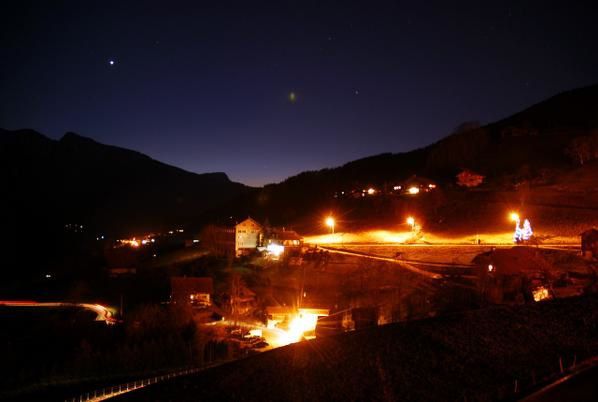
point(134, 242)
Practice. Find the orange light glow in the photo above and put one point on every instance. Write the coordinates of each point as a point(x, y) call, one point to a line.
point(330, 222)
point(540, 294)
point(371, 191)
point(514, 216)
point(411, 221)
point(301, 324)
point(413, 190)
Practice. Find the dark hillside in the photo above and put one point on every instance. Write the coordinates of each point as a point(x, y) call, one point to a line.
point(80, 180)
point(48, 184)
point(476, 355)
point(536, 138)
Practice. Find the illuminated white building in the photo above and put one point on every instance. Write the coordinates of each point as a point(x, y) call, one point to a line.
point(247, 236)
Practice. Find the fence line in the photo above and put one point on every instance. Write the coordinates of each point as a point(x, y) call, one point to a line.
point(114, 390)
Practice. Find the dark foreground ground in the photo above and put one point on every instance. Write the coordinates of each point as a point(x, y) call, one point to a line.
point(476, 355)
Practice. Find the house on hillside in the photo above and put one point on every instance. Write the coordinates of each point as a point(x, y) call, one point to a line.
point(416, 184)
point(589, 243)
point(194, 291)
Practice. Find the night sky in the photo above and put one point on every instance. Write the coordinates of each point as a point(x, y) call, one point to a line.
point(263, 91)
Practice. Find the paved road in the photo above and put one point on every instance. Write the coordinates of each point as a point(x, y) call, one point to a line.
point(580, 387)
point(102, 313)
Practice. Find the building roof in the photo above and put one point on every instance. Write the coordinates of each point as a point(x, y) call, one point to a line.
point(281, 234)
point(514, 261)
point(289, 310)
point(250, 219)
point(182, 284)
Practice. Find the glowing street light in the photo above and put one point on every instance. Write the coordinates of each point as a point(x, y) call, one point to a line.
point(330, 223)
point(514, 216)
point(411, 222)
point(413, 190)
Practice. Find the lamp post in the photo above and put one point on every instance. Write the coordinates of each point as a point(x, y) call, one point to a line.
point(330, 223)
point(411, 222)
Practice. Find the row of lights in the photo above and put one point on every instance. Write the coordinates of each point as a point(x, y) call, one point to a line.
point(331, 222)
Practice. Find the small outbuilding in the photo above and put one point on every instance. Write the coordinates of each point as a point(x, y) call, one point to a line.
point(589, 243)
point(194, 291)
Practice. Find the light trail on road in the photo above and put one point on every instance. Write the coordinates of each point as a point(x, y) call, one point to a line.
point(403, 264)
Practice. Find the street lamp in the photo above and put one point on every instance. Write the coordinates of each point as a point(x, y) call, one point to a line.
point(330, 223)
point(411, 222)
point(514, 216)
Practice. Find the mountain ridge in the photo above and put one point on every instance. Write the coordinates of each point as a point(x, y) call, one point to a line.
point(81, 180)
point(517, 148)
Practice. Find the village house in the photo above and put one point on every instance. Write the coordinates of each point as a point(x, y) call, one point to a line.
point(248, 236)
point(286, 238)
point(243, 238)
point(194, 291)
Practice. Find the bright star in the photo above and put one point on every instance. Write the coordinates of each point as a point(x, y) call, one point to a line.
point(111, 62)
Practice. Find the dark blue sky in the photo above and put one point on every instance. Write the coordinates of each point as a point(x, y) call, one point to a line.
point(205, 85)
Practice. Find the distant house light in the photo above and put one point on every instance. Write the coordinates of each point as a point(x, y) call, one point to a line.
point(396, 188)
point(413, 190)
point(371, 191)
